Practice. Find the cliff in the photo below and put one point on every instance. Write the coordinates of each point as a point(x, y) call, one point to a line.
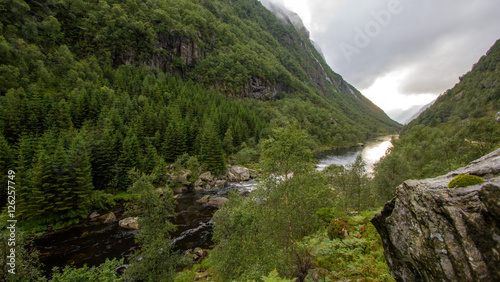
point(434, 233)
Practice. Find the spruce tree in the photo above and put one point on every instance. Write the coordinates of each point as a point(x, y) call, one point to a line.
point(80, 174)
point(211, 152)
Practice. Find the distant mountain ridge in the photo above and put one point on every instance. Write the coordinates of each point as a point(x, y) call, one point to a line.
point(458, 127)
point(406, 116)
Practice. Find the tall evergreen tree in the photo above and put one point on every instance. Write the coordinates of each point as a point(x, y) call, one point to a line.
point(80, 173)
point(211, 152)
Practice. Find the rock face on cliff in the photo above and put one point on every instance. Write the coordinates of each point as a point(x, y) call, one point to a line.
point(434, 233)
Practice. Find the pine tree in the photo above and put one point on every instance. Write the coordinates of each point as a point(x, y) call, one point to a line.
point(80, 174)
point(211, 152)
point(227, 143)
point(175, 141)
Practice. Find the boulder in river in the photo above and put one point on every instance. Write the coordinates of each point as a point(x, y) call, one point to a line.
point(217, 201)
point(110, 218)
point(434, 233)
point(94, 215)
point(204, 199)
point(207, 177)
point(238, 174)
point(182, 177)
point(198, 183)
point(220, 183)
point(129, 223)
point(180, 189)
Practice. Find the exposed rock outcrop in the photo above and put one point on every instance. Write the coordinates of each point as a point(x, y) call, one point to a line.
point(258, 88)
point(238, 173)
point(434, 233)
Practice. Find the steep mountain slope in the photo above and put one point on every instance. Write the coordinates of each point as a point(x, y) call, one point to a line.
point(92, 89)
point(459, 127)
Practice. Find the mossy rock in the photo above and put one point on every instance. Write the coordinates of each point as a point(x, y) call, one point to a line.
point(464, 181)
point(339, 228)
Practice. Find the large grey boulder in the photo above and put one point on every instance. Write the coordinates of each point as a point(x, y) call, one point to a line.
point(207, 176)
point(129, 223)
point(434, 233)
point(238, 174)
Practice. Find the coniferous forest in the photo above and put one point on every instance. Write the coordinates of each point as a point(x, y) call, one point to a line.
point(100, 99)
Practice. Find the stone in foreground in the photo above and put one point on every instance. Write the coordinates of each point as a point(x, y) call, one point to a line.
point(433, 233)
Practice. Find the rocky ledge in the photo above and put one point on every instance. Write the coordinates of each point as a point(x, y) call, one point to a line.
point(434, 233)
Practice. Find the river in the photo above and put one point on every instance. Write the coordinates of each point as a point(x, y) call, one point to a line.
point(372, 151)
point(92, 241)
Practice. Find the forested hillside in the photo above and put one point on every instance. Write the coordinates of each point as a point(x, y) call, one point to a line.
point(92, 89)
point(459, 127)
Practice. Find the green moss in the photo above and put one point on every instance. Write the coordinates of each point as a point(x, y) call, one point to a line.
point(338, 228)
point(464, 181)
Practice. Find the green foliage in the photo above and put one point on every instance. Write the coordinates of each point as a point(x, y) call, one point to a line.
point(89, 91)
point(155, 260)
point(104, 272)
point(189, 274)
point(464, 181)
point(101, 200)
point(246, 155)
point(328, 214)
point(124, 196)
point(27, 265)
point(289, 150)
point(211, 152)
point(274, 277)
point(360, 255)
point(258, 234)
point(338, 228)
point(352, 187)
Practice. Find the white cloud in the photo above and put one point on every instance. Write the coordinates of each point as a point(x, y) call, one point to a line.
point(432, 42)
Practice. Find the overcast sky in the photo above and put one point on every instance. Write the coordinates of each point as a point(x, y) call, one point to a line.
point(400, 53)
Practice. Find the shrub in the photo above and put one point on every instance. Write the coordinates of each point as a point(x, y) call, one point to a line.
point(104, 272)
point(338, 228)
point(246, 155)
point(101, 200)
point(464, 181)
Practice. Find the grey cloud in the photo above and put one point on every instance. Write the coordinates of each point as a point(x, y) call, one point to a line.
point(437, 40)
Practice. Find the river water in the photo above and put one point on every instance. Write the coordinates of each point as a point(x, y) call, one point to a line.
point(92, 241)
point(372, 151)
